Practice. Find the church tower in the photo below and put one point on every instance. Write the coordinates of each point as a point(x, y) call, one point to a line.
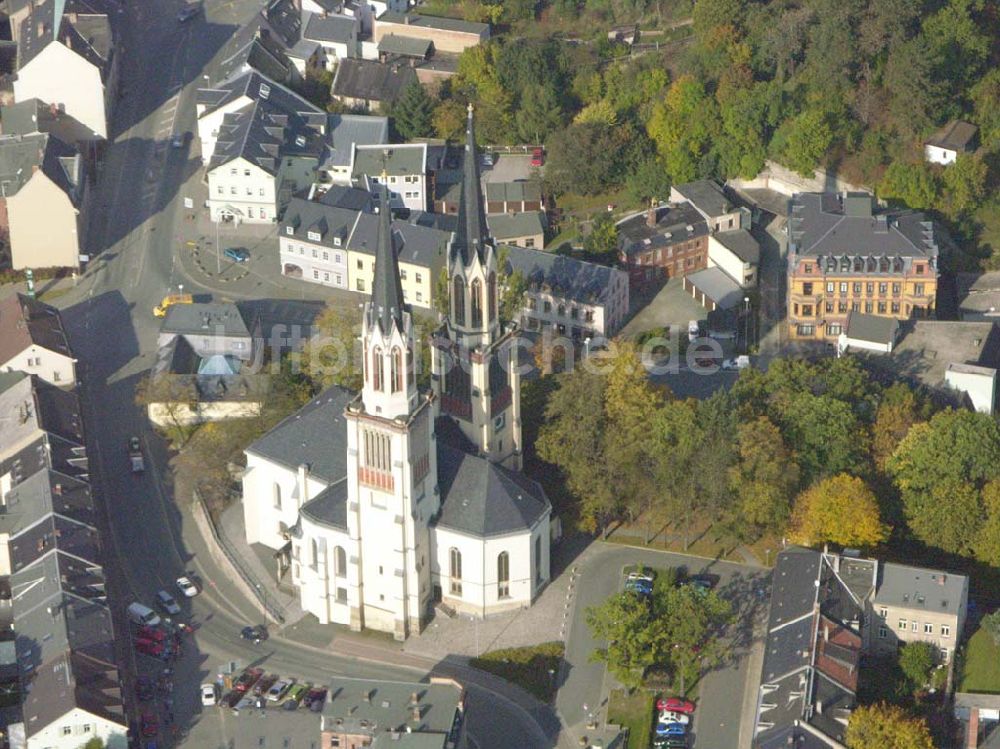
point(474, 362)
point(391, 464)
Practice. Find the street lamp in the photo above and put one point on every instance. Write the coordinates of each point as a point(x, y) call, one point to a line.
point(746, 323)
point(263, 600)
point(475, 622)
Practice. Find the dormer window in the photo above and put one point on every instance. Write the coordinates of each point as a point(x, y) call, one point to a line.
point(289, 230)
point(314, 236)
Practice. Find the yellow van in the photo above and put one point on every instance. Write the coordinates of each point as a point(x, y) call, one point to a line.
point(160, 310)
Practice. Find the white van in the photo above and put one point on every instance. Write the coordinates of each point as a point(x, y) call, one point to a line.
point(142, 615)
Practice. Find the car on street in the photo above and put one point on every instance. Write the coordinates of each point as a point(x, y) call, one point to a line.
point(231, 699)
point(177, 141)
point(209, 695)
point(702, 583)
point(150, 648)
point(149, 725)
point(135, 459)
point(247, 679)
point(537, 157)
point(237, 254)
point(641, 586)
point(167, 603)
point(187, 586)
point(670, 717)
point(675, 704)
point(151, 633)
point(670, 729)
point(315, 696)
point(264, 684)
point(694, 329)
point(670, 742)
point(256, 634)
point(278, 689)
point(294, 696)
point(740, 362)
point(188, 12)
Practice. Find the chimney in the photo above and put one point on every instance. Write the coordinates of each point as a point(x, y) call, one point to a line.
point(941, 580)
point(413, 697)
point(826, 633)
point(366, 696)
point(415, 712)
point(303, 477)
point(651, 213)
point(819, 706)
point(406, 19)
point(40, 29)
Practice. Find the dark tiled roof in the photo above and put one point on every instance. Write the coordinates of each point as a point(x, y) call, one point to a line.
point(513, 192)
point(409, 158)
point(25, 321)
point(371, 81)
point(329, 507)
point(741, 243)
point(405, 46)
point(566, 276)
point(329, 221)
point(345, 131)
point(260, 53)
point(672, 222)
point(35, 116)
point(955, 136)
point(333, 28)
point(386, 306)
point(316, 434)
point(482, 498)
point(207, 318)
point(793, 594)
point(434, 22)
point(505, 226)
point(418, 245)
point(871, 328)
point(20, 155)
point(283, 19)
point(707, 196)
point(919, 588)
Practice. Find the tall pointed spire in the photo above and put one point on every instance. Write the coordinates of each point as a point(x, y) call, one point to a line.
point(387, 290)
point(470, 235)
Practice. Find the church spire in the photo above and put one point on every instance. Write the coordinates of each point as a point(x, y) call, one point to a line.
point(470, 236)
point(387, 291)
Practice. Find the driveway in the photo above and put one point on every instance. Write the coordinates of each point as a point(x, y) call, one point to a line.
point(583, 682)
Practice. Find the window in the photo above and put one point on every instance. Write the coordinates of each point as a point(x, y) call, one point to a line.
point(843, 287)
point(341, 598)
point(249, 191)
point(830, 287)
point(261, 192)
point(805, 330)
point(360, 284)
point(807, 288)
point(945, 630)
point(881, 308)
point(316, 274)
point(232, 190)
point(883, 633)
point(842, 308)
point(833, 330)
point(476, 305)
point(326, 255)
point(807, 310)
point(868, 308)
point(396, 366)
point(538, 555)
point(895, 289)
point(944, 654)
point(829, 306)
point(419, 278)
point(67, 730)
point(313, 553)
point(246, 172)
point(869, 288)
point(491, 302)
point(895, 308)
point(458, 294)
point(499, 422)
point(361, 265)
point(529, 243)
point(503, 575)
point(249, 212)
point(420, 297)
point(455, 571)
point(377, 368)
point(221, 191)
point(402, 274)
point(808, 268)
point(276, 492)
point(289, 230)
point(883, 612)
point(326, 276)
point(339, 563)
point(928, 628)
point(857, 289)
point(914, 626)
point(920, 268)
point(233, 172)
point(902, 625)
point(918, 289)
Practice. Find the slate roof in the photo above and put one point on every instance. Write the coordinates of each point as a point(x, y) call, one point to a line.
point(513, 192)
point(260, 52)
point(566, 276)
point(823, 224)
point(315, 434)
point(371, 81)
point(510, 225)
point(434, 22)
point(350, 198)
point(405, 46)
point(741, 243)
point(330, 222)
point(386, 306)
point(471, 237)
point(718, 286)
point(20, 155)
point(345, 131)
point(35, 116)
point(283, 19)
point(329, 507)
point(90, 35)
point(406, 159)
point(25, 321)
point(872, 328)
point(482, 498)
point(792, 593)
point(417, 245)
point(333, 28)
point(917, 588)
point(954, 136)
point(389, 705)
point(671, 227)
point(707, 196)
point(206, 318)
point(42, 494)
point(46, 15)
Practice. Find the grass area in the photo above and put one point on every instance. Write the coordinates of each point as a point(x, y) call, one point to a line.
point(988, 218)
point(569, 234)
point(634, 712)
point(444, 8)
point(979, 670)
point(533, 668)
point(707, 541)
point(584, 205)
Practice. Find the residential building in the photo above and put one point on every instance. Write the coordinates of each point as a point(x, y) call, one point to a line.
point(66, 56)
point(255, 48)
point(665, 242)
point(363, 712)
point(868, 333)
point(43, 189)
point(439, 472)
point(843, 257)
point(411, 49)
point(404, 167)
point(522, 229)
point(828, 611)
point(336, 35)
point(261, 143)
point(33, 340)
point(979, 296)
point(513, 197)
point(737, 253)
point(710, 200)
point(946, 144)
point(447, 34)
point(212, 329)
point(569, 296)
point(33, 116)
point(912, 604)
point(50, 562)
point(367, 85)
point(312, 238)
point(343, 133)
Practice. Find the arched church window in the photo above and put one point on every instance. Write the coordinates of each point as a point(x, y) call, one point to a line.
point(314, 553)
point(503, 575)
point(411, 366)
point(377, 368)
point(491, 290)
point(277, 495)
point(455, 571)
point(340, 561)
point(396, 369)
point(476, 303)
point(458, 296)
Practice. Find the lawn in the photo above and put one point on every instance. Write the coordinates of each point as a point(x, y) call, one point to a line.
point(634, 712)
point(533, 668)
point(980, 665)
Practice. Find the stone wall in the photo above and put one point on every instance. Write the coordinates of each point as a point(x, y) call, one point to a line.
point(783, 180)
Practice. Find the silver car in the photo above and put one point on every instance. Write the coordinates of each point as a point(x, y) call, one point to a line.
point(167, 603)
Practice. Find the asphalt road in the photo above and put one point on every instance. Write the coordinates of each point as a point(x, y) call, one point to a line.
point(133, 239)
point(717, 721)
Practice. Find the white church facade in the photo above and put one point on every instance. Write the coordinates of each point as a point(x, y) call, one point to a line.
point(393, 498)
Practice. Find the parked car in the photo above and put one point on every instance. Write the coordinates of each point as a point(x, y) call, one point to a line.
point(315, 696)
point(149, 725)
point(537, 157)
point(167, 603)
point(264, 684)
point(668, 716)
point(278, 689)
point(642, 586)
point(675, 704)
point(178, 140)
point(209, 695)
point(151, 633)
point(247, 679)
point(135, 459)
point(144, 689)
point(187, 586)
point(670, 729)
point(670, 742)
point(148, 647)
point(237, 254)
point(488, 159)
point(694, 329)
point(256, 635)
point(702, 583)
point(232, 699)
point(740, 362)
point(188, 12)
point(294, 696)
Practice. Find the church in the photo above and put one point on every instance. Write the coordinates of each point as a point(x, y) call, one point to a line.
point(389, 500)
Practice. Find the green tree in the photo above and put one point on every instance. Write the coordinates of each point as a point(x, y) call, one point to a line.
point(413, 113)
point(886, 727)
point(588, 158)
point(683, 126)
point(964, 184)
point(765, 478)
point(897, 412)
point(742, 149)
point(332, 355)
point(804, 141)
point(916, 661)
point(708, 15)
point(986, 100)
point(95, 743)
point(602, 241)
point(962, 43)
point(913, 184)
point(633, 636)
point(648, 181)
point(449, 119)
point(828, 435)
point(987, 545)
point(170, 401)
point(540, 113)
point(841, 510)
point(690, 623)
point(991, 623)
point(513, 286)
point(916, 96)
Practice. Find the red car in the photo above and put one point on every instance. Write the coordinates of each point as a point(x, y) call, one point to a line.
point(151, 633)
point(247, 679)
point(150, 726)
point(537, 157)
point(675, 705)
point(148, 647)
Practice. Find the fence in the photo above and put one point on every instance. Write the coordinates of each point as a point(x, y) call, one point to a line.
point(254, 585)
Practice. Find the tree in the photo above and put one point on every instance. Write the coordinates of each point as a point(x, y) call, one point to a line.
point(804, 141)
point(841, 510)
point(828, 435)
point(648, 181)
point(912, 184)
point(683, 126)
point(960, 40)
point(690, 623)
point(449, 119)
point(916, 95)
point(588, 158)
point(95, 743)
point(764, 479)
point(413, 113)
point(540, 113)
point(964, 184)
point(986, 100)
point(991, 623)
point(742, 148)
point(632, 635)
point(708, 15)
point(602, 241)
point(897, 412)
point(513, 287)
point(886, 727)
point(171, 401)
point(332, 355)
point(987, 545)
point(916, 661)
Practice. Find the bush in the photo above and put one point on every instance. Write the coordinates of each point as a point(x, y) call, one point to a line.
point(528, 667)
